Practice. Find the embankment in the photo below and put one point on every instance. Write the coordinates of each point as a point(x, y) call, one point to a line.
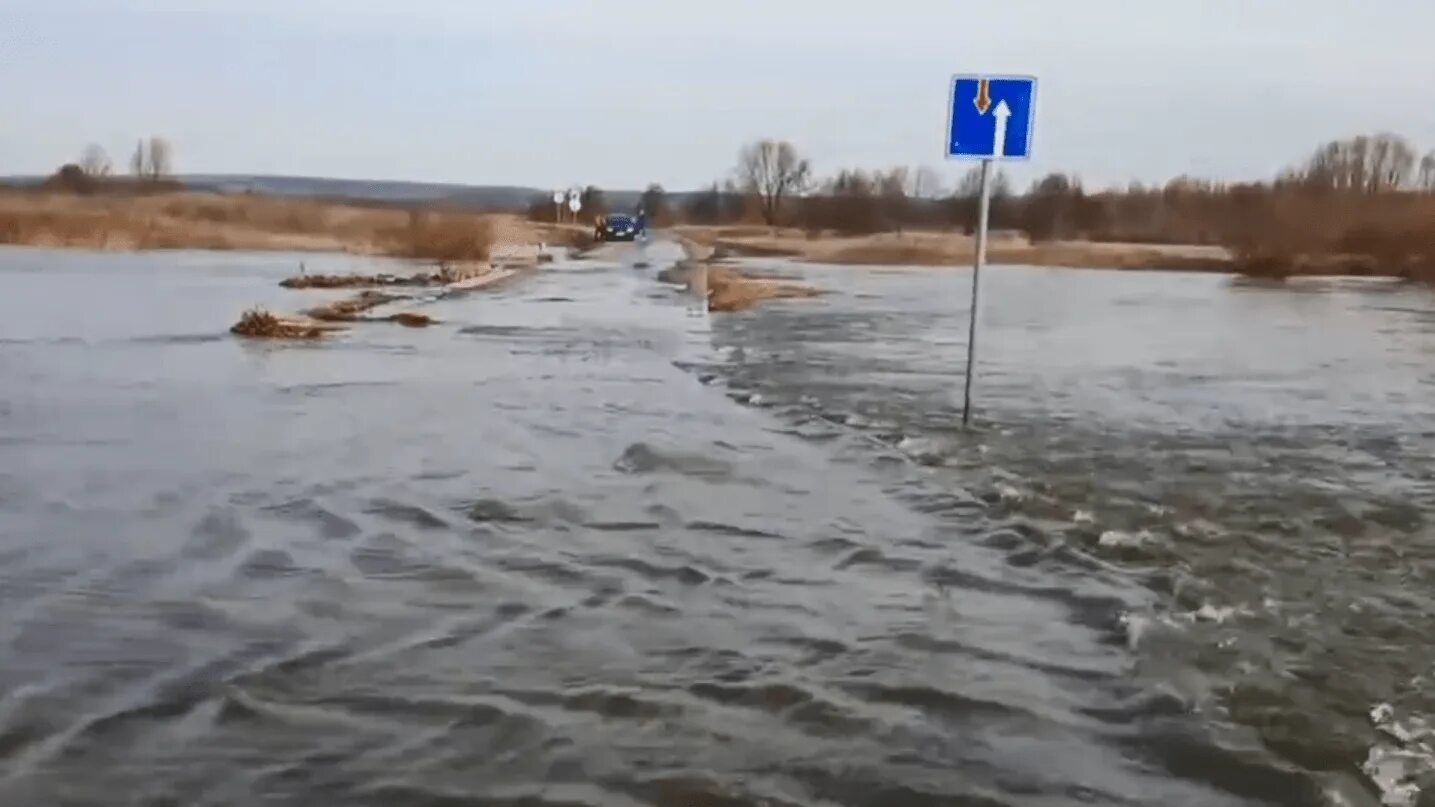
point(186, 220)
point(934, 248)
point(727, 289)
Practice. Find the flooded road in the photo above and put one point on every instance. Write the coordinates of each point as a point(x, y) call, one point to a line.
point(577, 546)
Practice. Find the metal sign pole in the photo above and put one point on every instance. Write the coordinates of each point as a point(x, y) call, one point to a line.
point(983, 214)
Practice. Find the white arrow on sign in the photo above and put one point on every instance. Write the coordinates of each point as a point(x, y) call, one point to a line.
point(1001, 113)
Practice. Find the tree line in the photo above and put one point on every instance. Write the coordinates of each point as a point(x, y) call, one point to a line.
point(151, 165)
point(1361, 204)
point(152, 159)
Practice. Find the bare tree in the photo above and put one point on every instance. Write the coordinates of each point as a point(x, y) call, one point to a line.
point(1365, 164)
point(160, 156)
point(139, 161)
point(970, 185)
point(895, 182)
point(593, 201)
point(926, 183)
point(1426, 179)
point(95, 162)
point(892, 187)
point(654, 202)
point(152, 159)
point(772, 171)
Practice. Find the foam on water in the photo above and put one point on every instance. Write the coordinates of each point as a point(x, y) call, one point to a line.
point(1402, 760)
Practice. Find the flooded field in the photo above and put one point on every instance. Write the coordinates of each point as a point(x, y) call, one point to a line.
point(577, 546)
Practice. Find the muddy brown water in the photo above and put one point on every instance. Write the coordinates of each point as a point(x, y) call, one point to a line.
point(578, 545)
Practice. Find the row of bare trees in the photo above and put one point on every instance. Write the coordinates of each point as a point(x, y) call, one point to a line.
point(1361, 202)
point(1366, 164)
point(152, 160)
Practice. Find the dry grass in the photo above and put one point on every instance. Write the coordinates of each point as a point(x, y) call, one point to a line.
point(348, 310)
point(728, 290)
point(935, 248)
point(410, 319)
point(358, 281)
point(260, 324)
point(251, 222)
point(443, 237)
point(1296, 233)
point(575, 236)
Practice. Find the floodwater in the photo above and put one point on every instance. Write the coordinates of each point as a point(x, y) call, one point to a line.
point(580, 544)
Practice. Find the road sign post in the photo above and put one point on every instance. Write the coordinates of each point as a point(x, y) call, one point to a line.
point(558, 206)
point(575, 202)
point(989, 118)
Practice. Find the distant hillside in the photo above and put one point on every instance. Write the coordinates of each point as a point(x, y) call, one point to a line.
point(488, 197)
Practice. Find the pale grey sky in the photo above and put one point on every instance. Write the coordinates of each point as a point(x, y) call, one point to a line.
point(619, 94)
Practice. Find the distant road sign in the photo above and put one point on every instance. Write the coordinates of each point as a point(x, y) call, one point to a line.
point(575, 204)
point(558, 197)
point(991, 117)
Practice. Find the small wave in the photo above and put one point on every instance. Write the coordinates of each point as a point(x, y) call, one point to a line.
point(617, 705)
point(924, 450)
point(384, 556)
point(308, 511)
point(179, 339)
point(623, 526)
point(1132, 546)
point(1218, 614)
point(648, 604)
point(495, 510)
point(834, 545)
point(52, 341)
point(309, 390)
point(1187, 750)
point(641, 458)
point(931, 700)
point(875, 557)
point(410, 514)
point(548, 794)
point(733, 530)
point(497, 330)
point(545, 570)
point(773, 697)
point(689, 575)
point(1139, 630)
point(219, 534)
point(268, 564)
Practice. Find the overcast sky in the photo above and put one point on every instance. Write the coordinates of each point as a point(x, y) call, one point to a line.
point(622, 93)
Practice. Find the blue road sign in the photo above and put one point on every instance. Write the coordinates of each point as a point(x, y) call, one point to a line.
point(991, 117)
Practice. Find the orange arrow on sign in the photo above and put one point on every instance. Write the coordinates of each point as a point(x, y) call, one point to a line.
point(984, 96)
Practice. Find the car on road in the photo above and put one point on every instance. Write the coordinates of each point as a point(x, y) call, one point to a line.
point(617, 227)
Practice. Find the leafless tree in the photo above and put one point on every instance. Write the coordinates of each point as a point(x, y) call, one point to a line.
point(593, 201)
point(926, 183)
point(970, 185)
point(654, 202)
point(772, 171)
point(160, 158)
point(1365, 164)
point(152, 159)
point(139, 161)
point(895, 182)
point(1426, 178)
point(95, 162)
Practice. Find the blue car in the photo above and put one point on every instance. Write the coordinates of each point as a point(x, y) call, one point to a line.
point(617, 227)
